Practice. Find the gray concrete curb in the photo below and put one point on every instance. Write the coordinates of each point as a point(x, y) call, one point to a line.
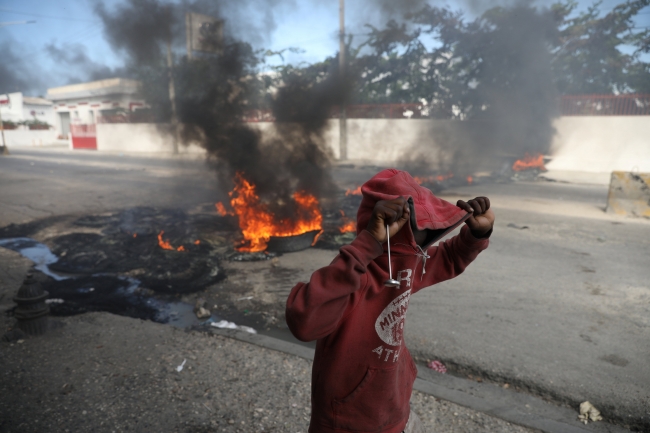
point(517, 408)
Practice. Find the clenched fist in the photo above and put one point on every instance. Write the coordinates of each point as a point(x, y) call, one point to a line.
point(395, 213)
point(482, 219)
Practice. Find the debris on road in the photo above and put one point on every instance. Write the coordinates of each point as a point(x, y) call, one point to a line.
point(589, 413)
point(224, 324)
point(202, 313)
point(180, 367)
point(437, 366)
point(517, 226)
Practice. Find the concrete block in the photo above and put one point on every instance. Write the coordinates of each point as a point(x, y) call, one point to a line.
point(629, 194)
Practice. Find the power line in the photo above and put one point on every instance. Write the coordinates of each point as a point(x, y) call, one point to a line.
point(12, 11)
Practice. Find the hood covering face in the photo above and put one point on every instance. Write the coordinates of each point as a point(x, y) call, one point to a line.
point(427, 211)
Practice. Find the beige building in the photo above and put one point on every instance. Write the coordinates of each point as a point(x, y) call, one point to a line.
point(86, 103)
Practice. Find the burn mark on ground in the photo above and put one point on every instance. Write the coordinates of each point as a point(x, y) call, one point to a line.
point(615, 360)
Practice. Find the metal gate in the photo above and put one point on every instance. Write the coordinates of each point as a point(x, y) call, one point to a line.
point(84, 136)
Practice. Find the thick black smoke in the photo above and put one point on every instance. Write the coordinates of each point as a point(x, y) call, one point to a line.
point(16, 75)
point(216, 91)
point(73, 59)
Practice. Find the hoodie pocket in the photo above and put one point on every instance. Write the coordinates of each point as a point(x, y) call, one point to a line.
point(380, 400)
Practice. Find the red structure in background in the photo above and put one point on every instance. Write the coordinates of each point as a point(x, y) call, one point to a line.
point(84, 136)
point(605, 105)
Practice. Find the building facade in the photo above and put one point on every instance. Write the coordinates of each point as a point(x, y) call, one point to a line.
point(79, 107)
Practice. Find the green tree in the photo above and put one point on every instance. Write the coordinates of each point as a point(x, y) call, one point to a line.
point(588, 57)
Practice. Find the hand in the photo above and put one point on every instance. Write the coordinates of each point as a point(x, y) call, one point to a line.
point(395, 213)
point(482, 219)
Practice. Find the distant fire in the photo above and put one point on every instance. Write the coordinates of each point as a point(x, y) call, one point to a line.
point(356, 191)
point(349, 225)
point(258, 223)
point(470, 180)
point(529, 162)
point(166, 245)
point(431, 179)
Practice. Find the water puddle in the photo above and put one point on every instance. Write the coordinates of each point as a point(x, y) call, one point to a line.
point(75, 294)
point(36, 252)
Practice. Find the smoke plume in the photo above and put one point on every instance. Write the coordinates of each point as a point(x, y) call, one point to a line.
point(73, 59)
point(15, 73)
point(508, 98)
point(216, 91)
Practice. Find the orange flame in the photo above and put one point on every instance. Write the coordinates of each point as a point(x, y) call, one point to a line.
point(221, 209)
point(349, 225)
point(529, 162)
point(356, 191)
point(135, 235)
point(197, 242)
point(470, 180)
point(164, 244)
point(258, 223)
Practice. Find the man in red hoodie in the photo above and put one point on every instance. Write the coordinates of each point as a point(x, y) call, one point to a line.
point(363, 374)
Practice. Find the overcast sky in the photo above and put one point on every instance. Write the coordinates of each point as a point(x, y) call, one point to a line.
point(71, 26)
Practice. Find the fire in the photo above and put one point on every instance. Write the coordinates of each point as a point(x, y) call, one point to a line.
point(197, 242)
point(349, 225)
point(166, 245)
point(135, 235)
point(470, 180)
point(431, 179)
point(221, 209)
point(529, 162)
point(356, 191)
point(258, 223)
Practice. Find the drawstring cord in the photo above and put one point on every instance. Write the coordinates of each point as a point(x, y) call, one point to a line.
point(421, 254)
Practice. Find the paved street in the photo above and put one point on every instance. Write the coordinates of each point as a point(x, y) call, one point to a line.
point(560, 308)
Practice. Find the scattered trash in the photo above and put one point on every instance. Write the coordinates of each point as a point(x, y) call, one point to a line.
point(224, 324)
point(202, 313)
point(54, 301)
point(517, 226)
point(437, 366)
point(245, 298)
point(180, 367)
point(589, 413)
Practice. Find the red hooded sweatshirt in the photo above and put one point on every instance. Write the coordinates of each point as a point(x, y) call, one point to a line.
point(363, 375)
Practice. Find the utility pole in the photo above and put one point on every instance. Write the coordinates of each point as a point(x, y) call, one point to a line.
point(188, 35)
point(172, 96)
point(343, 121)
point(3, 150)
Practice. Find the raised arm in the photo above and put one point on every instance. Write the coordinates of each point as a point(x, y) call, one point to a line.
point(315, 309)
point(450, 258)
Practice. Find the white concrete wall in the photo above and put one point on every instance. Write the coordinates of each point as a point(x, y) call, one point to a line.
point(25, 137)
point(595, 144)
point(378, 140)
point(139, 138)
point(601, 144)
point(14, 110)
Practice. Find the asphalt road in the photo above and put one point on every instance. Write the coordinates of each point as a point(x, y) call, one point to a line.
point(561, 308)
